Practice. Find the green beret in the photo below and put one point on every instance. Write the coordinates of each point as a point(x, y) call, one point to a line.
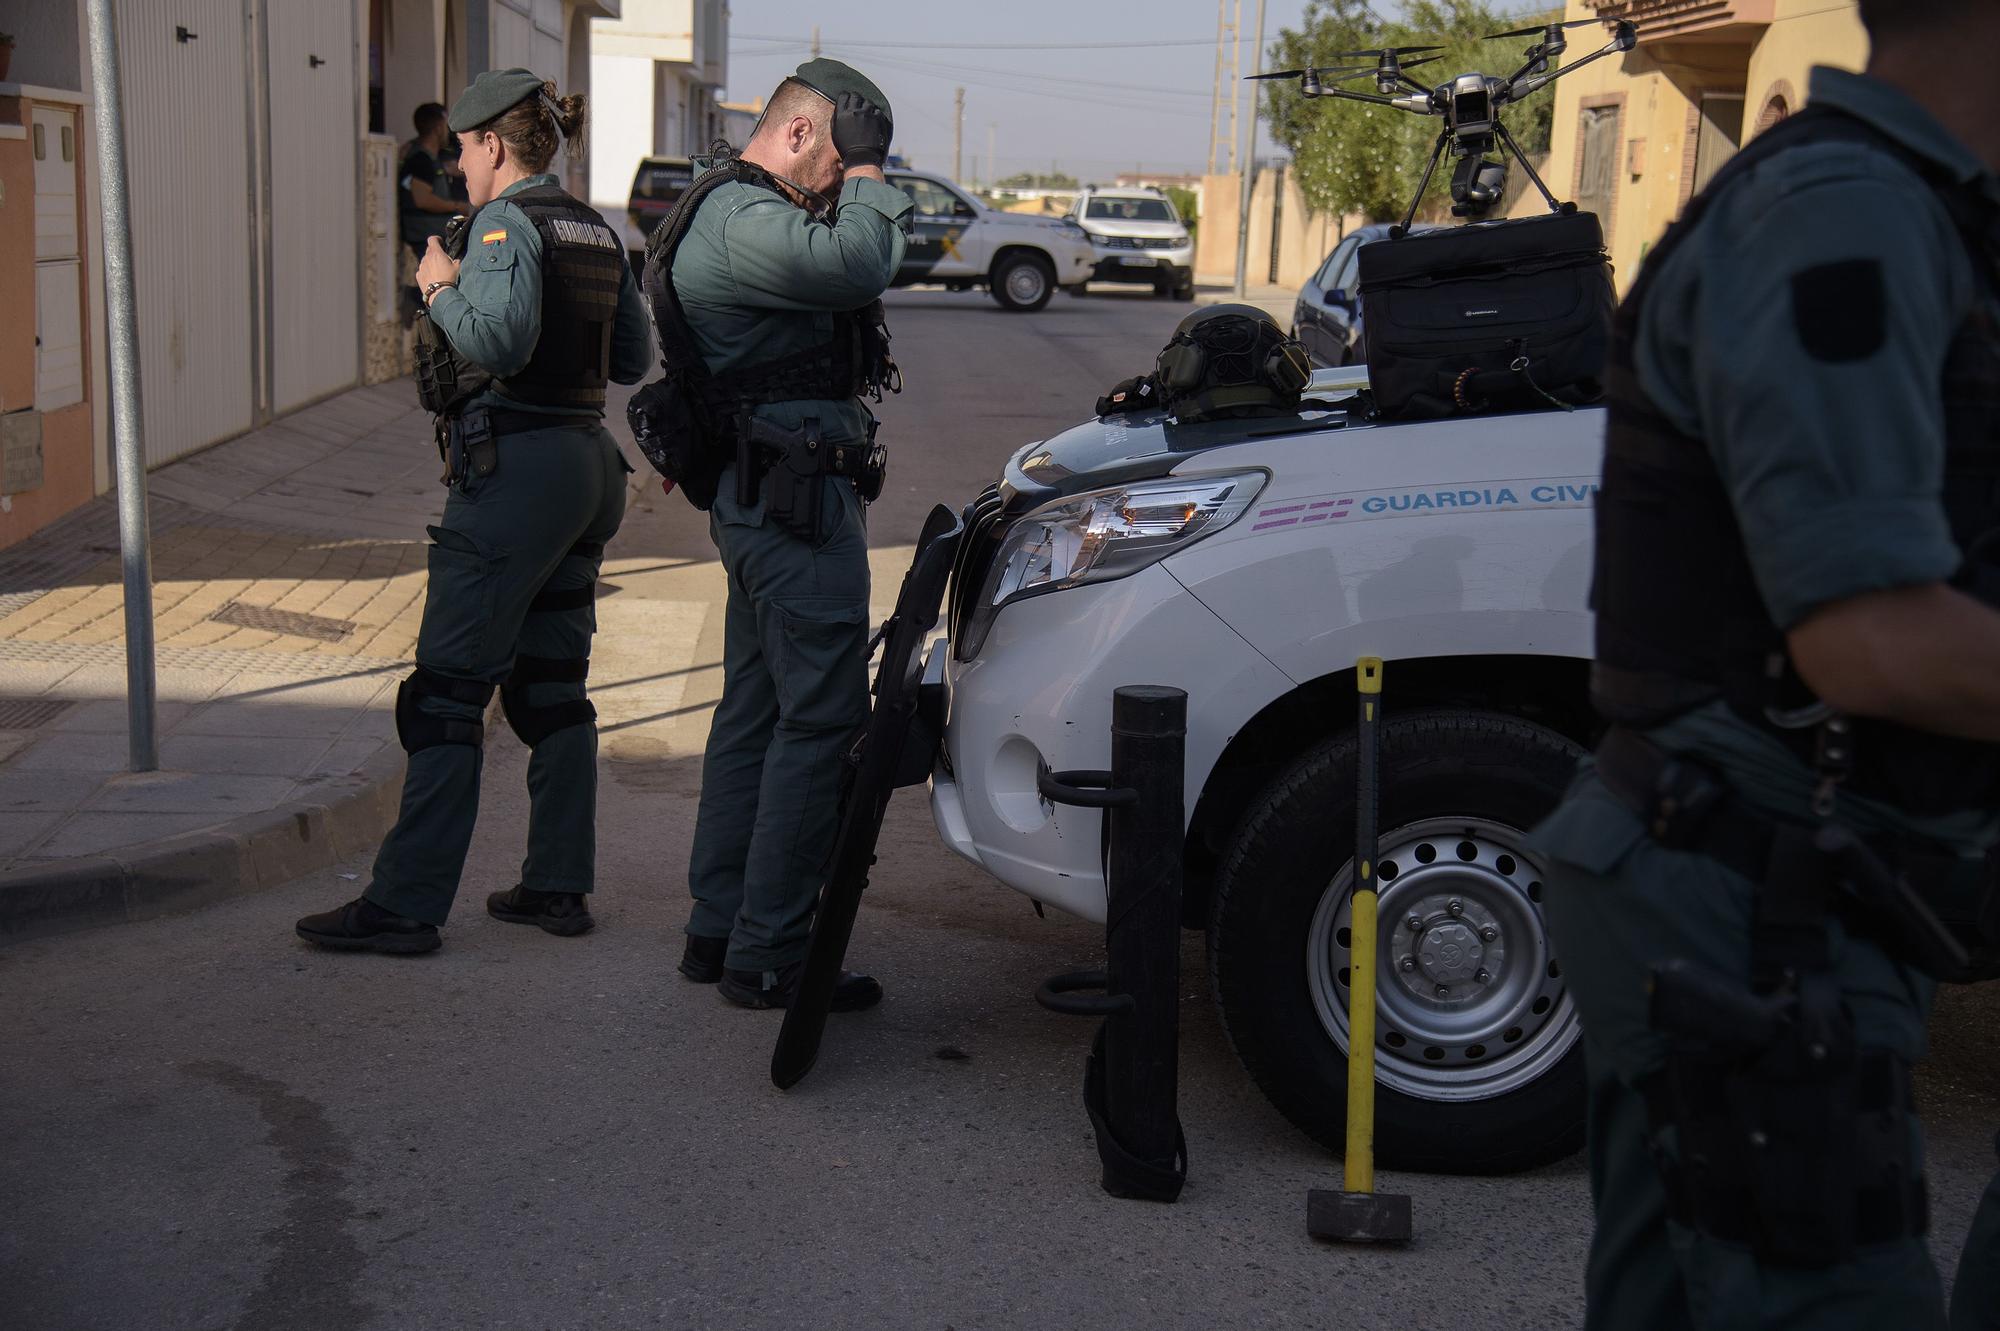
point(490, 94)
point(830, 78)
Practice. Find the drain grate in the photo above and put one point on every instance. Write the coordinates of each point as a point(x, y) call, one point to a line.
point(283, 621)
point(30, 714)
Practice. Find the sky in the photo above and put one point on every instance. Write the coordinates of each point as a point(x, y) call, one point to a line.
point(1126, 86)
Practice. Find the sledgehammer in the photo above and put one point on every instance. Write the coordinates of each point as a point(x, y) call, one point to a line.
point(1358, 1213)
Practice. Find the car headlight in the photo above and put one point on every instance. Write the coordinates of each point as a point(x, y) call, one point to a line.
point(1104, 534)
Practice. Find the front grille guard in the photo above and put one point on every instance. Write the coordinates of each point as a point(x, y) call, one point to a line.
point(983, 530)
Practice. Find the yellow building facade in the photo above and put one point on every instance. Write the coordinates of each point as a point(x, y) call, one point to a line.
point(1636, 135)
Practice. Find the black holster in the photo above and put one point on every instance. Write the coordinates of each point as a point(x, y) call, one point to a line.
point(792, 468)
point(1785, 1137)
point(470, 446)
point(1771, 1128)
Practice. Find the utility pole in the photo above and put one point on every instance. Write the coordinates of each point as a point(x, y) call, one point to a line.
point(1215, 98)
point(992, 167)
point(1237, 70)
point(1249, 170)
point(815, 54)
point(127, 422)
point(957, 132)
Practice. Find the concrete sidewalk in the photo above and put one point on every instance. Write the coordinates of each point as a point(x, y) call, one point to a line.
point(1279, 302)
point(289, 570)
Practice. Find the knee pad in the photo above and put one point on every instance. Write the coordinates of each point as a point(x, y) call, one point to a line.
point(532, 723)
point(418, 729)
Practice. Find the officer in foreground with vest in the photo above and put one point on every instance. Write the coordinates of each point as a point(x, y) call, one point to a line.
point(765, 284)
point(1779, 846)
point(526, 321)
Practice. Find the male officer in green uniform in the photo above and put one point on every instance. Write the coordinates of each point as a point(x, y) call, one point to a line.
point(1799, 650)
point(540, 313)
point(772, 264)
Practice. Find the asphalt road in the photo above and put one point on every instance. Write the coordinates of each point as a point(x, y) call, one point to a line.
point(209, 1125)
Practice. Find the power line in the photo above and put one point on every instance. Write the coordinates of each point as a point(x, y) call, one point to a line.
point(928, 69)
point(993, 46)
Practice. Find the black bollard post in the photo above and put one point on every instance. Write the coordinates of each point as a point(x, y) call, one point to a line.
point(1131, 1079)
point(1142, 931)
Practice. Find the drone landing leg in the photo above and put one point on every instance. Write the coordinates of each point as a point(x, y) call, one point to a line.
point(1444, 137)
point(1522, 158)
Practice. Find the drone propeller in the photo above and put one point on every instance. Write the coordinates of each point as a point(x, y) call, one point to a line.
point(1372, 70)
point(1541, 28)
point(1323, 69)
point(1385, 53)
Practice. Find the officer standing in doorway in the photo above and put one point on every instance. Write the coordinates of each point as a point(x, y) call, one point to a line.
point(528, 317)
point(1779, 846)
point(774, 264)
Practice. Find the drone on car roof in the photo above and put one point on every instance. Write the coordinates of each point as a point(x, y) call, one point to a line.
point(1470, 105)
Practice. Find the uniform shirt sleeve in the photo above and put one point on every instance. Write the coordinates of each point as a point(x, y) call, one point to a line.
point(1803, 332)
point(494, 316)
point(631, 334)
point(780, 259)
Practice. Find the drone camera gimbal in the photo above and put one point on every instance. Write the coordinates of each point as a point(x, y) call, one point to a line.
point(1470, 106)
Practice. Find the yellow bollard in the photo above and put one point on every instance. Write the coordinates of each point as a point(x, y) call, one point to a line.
point(1359, 1214)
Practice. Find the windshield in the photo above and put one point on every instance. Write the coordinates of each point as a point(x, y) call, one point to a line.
point(1130, 210)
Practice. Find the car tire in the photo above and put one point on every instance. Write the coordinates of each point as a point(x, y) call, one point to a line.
point(1185, 291)
point(1489, 1081)
point(1023, 281)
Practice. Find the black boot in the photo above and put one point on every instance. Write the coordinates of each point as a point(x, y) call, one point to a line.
point(701, 959)
point(769, 989)
point(564, 914)
point(363, 926)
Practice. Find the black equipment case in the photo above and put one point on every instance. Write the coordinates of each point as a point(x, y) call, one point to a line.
point(1493, 316)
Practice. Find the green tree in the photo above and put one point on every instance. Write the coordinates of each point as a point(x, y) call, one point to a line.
point(1351, 157)
point(1034, 180)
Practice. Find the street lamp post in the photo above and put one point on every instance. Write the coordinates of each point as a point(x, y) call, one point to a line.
point(128, 440)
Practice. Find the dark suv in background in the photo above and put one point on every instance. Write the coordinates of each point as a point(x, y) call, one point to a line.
point(656, 186)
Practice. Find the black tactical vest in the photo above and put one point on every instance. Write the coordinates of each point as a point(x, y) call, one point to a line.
point(1679, 618)
point(583, 264)
point(854, 361)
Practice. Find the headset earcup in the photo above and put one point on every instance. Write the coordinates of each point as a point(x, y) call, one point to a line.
point(1180, 366)
point(1286, 368)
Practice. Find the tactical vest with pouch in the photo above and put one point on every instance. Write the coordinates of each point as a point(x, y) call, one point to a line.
point(688, 423)
point(1674, 634)
point(583, 265)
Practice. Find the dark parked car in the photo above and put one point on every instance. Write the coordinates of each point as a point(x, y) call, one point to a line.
point(1328, 317)
point(656, 185)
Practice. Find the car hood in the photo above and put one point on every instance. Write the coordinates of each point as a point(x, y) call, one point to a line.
point(1118, 449)
point(1141, 230)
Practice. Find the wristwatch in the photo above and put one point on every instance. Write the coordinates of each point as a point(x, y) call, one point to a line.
point(435, 287)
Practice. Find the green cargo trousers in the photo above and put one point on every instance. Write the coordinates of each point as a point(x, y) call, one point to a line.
point(794, 696)
point(1618, 904)
point(534, 530)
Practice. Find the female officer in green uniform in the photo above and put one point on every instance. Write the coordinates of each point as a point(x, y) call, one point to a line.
point(526, 329)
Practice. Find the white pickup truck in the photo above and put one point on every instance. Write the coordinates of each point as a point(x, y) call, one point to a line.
point(1250, 563)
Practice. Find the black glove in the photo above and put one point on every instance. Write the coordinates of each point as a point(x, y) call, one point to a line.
point(861, 131)
point(1138, 393)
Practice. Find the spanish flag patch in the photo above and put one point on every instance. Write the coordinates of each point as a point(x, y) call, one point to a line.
point(493, 237)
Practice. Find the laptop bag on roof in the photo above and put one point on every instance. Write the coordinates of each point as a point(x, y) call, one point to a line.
point(1495, 316)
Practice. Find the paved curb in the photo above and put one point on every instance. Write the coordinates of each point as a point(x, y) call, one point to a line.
point(181, 873)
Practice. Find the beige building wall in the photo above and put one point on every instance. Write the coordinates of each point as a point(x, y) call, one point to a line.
point(1304, 236)
point(1759, 52)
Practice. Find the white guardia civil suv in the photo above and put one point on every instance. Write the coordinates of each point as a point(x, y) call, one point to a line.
point(959, 242)
point(1250, 563)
